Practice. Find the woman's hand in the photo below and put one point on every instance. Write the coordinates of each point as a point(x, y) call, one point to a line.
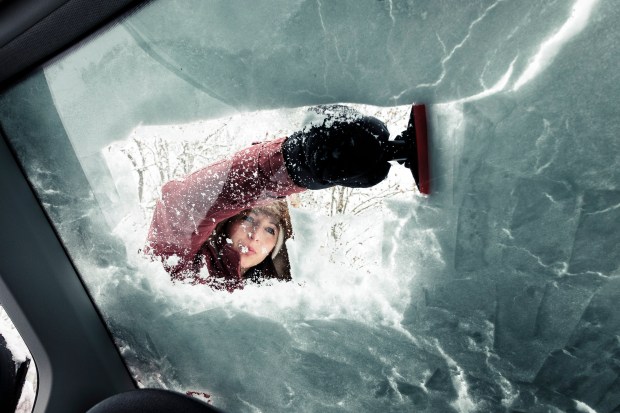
point(346, 149)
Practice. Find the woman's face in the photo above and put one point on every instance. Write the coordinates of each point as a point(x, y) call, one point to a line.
point(253, 235)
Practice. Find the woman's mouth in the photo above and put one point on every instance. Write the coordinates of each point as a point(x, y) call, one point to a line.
point(246, 250)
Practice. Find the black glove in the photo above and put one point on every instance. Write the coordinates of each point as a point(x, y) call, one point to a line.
point(345, 150)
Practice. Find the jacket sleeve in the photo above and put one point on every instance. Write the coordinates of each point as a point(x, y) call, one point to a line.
point(189, 209)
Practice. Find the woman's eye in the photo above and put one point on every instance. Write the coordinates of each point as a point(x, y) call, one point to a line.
point(270, 230)
point(248, 218)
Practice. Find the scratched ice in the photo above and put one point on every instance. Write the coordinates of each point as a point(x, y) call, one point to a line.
point(497, 293)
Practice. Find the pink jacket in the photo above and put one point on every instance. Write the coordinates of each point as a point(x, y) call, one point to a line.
point(189, 210)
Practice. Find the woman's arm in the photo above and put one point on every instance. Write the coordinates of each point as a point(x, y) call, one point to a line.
point(189, 209)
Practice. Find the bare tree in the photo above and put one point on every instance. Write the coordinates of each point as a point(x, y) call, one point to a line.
point(157, 160)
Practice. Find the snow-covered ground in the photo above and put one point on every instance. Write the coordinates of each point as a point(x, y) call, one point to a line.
point(18, 348)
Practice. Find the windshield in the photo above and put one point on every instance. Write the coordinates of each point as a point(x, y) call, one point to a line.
point(494, 292)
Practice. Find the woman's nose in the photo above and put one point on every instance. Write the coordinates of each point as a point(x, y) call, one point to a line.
point(252, 234)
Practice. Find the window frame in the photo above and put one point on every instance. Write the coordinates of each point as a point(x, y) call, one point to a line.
point(77, 361)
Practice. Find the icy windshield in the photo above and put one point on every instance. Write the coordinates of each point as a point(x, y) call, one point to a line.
point(496, 292)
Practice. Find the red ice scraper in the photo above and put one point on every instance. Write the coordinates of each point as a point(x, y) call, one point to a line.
point(411, 148)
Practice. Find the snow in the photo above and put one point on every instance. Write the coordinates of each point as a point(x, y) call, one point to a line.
point(17, 347)
point(14, 342)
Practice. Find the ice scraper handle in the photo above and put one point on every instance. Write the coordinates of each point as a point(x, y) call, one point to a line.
point(343, 151)
point(396, 150)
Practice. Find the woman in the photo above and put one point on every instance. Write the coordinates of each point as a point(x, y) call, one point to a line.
point(230, 218)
